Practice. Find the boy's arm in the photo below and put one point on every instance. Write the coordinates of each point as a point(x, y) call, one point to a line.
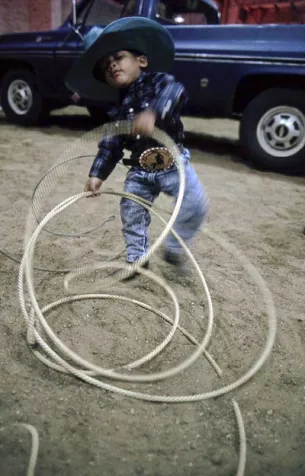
point(170, 96)
point(109, 154)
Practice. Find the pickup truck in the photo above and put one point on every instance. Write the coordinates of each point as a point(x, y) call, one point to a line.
point(254, 73)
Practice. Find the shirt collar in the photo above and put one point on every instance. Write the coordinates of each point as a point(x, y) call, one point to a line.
point(114, 111)
point(138, 81)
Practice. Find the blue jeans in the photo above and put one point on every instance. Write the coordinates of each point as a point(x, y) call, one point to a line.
point(136, 219)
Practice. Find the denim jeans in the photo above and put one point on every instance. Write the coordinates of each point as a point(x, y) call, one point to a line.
point(136, 219)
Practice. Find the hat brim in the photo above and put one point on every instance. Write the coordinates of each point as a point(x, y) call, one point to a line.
point(133, 33)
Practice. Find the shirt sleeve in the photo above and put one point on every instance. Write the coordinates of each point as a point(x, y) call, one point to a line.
point(170, 96)
point(109, 154)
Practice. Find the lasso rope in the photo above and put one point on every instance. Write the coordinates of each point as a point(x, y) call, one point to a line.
point(37, 325)
point(34, 447)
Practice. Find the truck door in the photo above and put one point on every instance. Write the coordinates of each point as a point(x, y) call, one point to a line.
point(187, 20)
point(89, 14)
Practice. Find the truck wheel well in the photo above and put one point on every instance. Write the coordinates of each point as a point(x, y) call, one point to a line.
point(7, 65)
point(251, 86)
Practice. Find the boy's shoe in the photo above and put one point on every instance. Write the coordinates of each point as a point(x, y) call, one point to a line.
point(179, 261)
point(176, 259)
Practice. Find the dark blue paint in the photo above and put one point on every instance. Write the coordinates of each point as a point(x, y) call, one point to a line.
point(223, 54)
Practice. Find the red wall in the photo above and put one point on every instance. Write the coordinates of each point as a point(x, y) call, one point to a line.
point(14, 15)
point(262, 11)
point(38, 15)
point(32, 15)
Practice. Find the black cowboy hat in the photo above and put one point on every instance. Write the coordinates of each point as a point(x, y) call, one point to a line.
point(131, 33)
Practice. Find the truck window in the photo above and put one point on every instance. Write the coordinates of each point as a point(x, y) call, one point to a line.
point(106, 11)
point(181, 12)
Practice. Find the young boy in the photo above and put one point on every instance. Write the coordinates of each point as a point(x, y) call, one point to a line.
point(130, 57)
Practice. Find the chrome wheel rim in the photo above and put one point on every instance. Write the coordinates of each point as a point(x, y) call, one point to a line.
point(20, 97)
point(281, 131)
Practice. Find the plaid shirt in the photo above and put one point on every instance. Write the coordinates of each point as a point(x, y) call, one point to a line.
point(157, 91)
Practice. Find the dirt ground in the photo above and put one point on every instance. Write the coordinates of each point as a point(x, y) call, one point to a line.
point(85, 430)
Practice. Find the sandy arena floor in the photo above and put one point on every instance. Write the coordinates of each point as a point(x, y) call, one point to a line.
point(85, 430)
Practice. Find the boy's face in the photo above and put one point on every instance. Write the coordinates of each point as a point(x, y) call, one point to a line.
point(122, 68)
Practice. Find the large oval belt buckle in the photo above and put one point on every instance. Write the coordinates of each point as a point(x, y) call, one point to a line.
point(156, 158)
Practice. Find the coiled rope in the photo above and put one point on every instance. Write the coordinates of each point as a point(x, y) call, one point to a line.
point(38, 328)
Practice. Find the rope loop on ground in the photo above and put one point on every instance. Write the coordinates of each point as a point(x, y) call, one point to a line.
point(47, 346)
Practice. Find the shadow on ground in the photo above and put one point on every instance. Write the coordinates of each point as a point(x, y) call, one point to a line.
point(57, 124)
point(217, 150)
point(208, 143)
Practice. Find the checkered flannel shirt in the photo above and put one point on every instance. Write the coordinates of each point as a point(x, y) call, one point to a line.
point(159, 92)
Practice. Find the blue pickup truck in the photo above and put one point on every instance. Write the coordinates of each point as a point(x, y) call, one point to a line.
point(255, 74)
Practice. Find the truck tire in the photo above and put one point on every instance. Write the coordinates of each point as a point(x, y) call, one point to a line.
point(272, 131)
point(21, 100)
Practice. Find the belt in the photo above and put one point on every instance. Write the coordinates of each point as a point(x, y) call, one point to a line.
point(154, 159)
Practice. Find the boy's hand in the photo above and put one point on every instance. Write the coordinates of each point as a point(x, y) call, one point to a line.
point(144, 123)
point(93, 185)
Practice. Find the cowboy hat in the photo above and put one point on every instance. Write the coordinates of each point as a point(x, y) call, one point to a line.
point(132, 33)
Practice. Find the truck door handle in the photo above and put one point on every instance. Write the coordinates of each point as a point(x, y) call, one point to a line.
point(39, 39)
